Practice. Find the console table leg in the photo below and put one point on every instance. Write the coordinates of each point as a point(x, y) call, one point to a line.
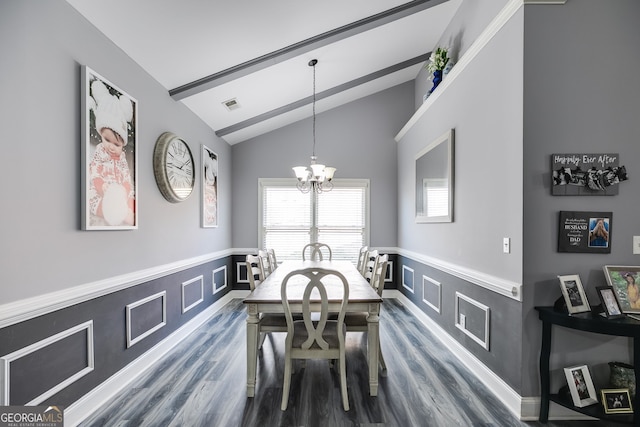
point(636, 365)
point(545, 353)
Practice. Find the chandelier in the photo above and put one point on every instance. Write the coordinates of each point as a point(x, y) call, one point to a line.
point(316, 177)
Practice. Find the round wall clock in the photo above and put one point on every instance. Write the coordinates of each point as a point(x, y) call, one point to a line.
point(173, 167)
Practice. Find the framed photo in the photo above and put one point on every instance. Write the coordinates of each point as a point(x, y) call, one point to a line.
point(586, 232)
point(581, 386)
point(609, 302)
point(573, 293)
point(586, 174)
point(625, 281)
point(616, 401)
point(108, 155)
point(209, 188)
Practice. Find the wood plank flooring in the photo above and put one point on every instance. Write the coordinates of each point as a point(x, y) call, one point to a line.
point(202, 383)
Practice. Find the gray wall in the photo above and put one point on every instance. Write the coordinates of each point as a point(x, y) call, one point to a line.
point(356, 138)
point(43, 45)
point(581, 95)
point(484, 106)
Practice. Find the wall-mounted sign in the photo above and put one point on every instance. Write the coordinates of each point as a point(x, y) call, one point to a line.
point(580, 174)
point(588, 232)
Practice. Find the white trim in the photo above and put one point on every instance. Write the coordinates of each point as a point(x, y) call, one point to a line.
point(18, 311)
point(100, 395)
point(7, 359)
point(131, 341)
point(404, 285)
point(388, 278)
point(213, 279)
point(493, 382)
point(187, 283)
point(438, 285)
point(501, 286)
point(485, 37)
point(460, 324)
point(239, 267)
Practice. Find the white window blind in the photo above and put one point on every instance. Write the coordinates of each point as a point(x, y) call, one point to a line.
point(290, 219)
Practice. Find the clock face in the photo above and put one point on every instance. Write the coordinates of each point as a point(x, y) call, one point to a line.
point(173, 167)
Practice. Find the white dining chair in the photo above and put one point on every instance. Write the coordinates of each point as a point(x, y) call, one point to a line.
point(357, 322)
point(316, 252)
point(269, 322)
point(265, 263)
point(272, 259)
point(362, 256)
point(369, 264)
point(315, 336)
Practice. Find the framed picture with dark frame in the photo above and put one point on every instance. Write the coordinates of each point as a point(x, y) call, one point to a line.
point(108, 155)
point(585, 232)
point(625, 281)
point(609, 302)
point(574, 295)
point(616, 401)
point(583, 393)
point(209, 188)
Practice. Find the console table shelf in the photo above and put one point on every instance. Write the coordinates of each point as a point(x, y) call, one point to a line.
point(588, 322)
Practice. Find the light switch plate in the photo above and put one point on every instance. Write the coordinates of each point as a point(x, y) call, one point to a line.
point(636, 245)
point(506, 245)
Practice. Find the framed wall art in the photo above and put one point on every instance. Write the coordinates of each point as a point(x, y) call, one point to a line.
point(109, 155)
point(574, 295)
point(581, 386)
point(625, 281)
point(586, 232)
point(209, 188)
point(580, 174)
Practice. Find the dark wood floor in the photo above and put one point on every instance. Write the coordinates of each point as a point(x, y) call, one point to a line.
point(202, 383)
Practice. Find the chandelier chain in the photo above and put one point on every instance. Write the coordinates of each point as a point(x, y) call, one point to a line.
point(314, 110)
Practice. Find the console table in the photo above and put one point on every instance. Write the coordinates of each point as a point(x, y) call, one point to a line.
point(624, 327)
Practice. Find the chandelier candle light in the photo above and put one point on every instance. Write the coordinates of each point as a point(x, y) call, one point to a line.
point(317, 177)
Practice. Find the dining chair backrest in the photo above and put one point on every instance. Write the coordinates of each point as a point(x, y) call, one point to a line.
point(254, 271)
point(272, 259)
point(265, 263)
point(370, 263)
point(315, 314)
point(362, 256)
point(379, 274)
point(316, 252)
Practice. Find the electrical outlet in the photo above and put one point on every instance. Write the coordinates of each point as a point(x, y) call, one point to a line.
point(506, 245)
point(636, 245)
point(463, 321)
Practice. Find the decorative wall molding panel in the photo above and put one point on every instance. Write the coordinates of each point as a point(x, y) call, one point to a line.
point(241, 273)
point(192, 293)
point(388, 278)
point(219, 279)
point(473, 318)
point(151, 305)
point(432, 293)
point(44, 363)
point(407, 278)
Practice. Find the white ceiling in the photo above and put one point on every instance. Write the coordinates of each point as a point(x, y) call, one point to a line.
point(205, 52)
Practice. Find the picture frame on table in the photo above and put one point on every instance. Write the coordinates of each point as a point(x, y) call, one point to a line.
point(609, 302)
point(625, 281)
point(209, 188)
point(616, 401)
point(583, 393)
point(109, 159)
point(573, 293)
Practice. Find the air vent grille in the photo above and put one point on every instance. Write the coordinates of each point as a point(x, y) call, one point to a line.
point(231, 104)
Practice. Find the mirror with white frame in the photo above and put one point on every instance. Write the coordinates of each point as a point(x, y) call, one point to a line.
point(434, 181)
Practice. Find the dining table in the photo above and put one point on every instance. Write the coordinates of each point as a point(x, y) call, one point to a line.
point(266, 298)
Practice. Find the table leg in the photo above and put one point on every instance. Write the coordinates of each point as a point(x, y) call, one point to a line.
point(373, 335)
point(252, 347)
point(636, 364)
point(545, 380)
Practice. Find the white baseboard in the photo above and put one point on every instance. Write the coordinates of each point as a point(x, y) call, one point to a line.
point(85, 406)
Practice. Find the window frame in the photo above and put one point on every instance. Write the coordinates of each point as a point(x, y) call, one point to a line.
point(313, 232)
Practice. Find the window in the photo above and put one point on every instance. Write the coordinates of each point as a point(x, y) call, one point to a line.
point(289, 219)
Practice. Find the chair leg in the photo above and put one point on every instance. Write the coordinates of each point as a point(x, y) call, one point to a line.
point(383, 365)
point(286, 384)
point(343, 382)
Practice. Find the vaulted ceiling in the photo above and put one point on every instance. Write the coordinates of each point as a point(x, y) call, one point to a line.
point(254, 54)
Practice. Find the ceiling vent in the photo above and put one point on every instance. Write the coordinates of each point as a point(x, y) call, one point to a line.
point(231, 104)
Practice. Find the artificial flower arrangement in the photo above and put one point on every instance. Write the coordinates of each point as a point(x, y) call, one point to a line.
point(438, 60)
